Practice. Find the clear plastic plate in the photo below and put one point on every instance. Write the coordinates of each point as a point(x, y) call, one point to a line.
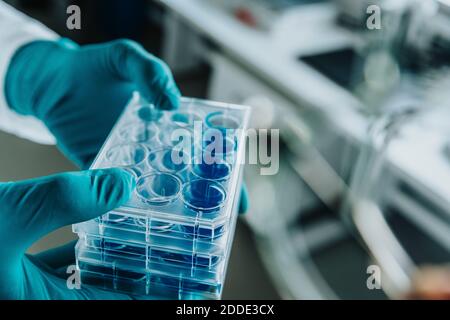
point(175, 234)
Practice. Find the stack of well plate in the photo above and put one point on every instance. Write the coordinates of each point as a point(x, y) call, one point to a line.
point(173, 238)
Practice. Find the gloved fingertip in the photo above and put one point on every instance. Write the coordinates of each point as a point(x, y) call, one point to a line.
point(169, 101)
point(243, 201)
point(117, 186)
point(129, 177)
point(68, 43)
point(175, 97)
point(175, 92)
point(126, 177)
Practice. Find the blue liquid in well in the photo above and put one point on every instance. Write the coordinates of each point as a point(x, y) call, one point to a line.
point(158, 189)
point(204, 195)
point(214, 171)
point(127, 250)
point(226, 124)
point(172, 257)
point(170, 160)
point(210, 147)
point(165, 187)
point(222, 121)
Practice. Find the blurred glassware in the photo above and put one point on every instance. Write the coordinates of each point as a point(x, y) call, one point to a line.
point(403, 93)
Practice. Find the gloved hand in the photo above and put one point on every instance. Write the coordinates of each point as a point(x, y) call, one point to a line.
point(31, 209)
point(79, 92)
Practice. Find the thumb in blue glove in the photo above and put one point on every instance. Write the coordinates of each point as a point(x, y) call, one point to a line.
point(31, 209)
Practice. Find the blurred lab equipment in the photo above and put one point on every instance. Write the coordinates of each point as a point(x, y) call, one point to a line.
point(261, 14)
point(399, 144)
point(355, 12)
point(325, 83)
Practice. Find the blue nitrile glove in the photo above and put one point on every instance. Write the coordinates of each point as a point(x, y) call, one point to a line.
point(31, 209)
point(79, 92)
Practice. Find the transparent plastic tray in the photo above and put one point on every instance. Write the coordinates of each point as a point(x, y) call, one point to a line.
point(186, 162)
point(145, 285)
point(175, 234)
point(161, 239)
point(140, 257)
